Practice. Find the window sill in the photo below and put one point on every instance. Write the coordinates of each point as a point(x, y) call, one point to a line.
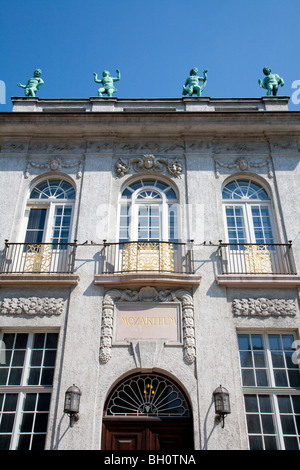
point(41, 279)
point(152, 278)
point(288, 281)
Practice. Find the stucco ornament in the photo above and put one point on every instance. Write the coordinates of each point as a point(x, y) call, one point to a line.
point(243, 164)
point(263, 307)
point(148, 163)
point(148, 294)
point(54, 164)
point(32, 306)
point(33, 83)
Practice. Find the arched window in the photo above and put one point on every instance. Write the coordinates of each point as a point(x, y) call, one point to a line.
point(148, 212)
point(247, 213)
point(49, 212)
point(147, 395)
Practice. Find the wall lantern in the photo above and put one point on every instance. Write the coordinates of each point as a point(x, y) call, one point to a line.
point(72, 400)
point(222, 403)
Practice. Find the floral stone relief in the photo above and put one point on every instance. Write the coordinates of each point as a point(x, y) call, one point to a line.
point(32, 306)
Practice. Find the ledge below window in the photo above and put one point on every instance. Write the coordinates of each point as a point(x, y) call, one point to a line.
point(152, 278)
point(39, 279)
point(272, 281)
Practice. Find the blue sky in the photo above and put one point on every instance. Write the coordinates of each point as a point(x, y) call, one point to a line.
point(153, 43)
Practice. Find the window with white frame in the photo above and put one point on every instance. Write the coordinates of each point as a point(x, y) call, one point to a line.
point(26, 378)
point(49, 212)
point(271, 384)
point(248, 215)
point(148, 212)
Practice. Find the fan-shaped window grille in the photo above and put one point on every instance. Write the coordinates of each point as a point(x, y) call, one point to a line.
point(240, 189)
point(57, 189)
point(147, 395)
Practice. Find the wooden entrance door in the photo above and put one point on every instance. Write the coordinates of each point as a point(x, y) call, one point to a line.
point(151, 434)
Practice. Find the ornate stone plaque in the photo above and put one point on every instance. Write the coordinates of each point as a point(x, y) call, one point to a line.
point(140, 321)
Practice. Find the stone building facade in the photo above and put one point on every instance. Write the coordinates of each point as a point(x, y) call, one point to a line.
point(149, 254)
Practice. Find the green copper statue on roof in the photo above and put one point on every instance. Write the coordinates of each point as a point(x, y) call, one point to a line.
point(107, 82)
point(192, 86)
point(33, 83)
point(271, 82)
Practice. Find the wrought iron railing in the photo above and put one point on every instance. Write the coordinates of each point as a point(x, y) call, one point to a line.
point(156, 256)
point(255, 258)
point(38, 258)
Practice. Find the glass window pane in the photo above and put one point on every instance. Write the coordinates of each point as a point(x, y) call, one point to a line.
point(265, 403)
point(284, 404)
point(34, 376)
point(267, 424)
point(253, 424)
point(27, 421)
point(280, 378)
point(41, 422)
point(261, 378)
point(298, 424)
point(7, 422)
point(43, 402)
point(288, 425)
point(5, 441)
point(18, 358)
point(244, 342)
point(21, 341)
point(291, 443)
point(24, 442)
point(248, 377)
point(15, 376)
point(51, 341)
point(259, 359)
point(290, 360)
point(287, 341)
point(294, 378)
point(39, 339)
point(3, 375)
point(275, 342)
point(277, 359)
point(256, 443)
point(8, 339)
point(36, 357)
point(10, 403)
point(38, 442)
point(257, 342)
point(49, 359)
point(296, 403)
point(29, 403)
point(246, 359)
point(251, 404)
point(270, 443)
point(47, 376)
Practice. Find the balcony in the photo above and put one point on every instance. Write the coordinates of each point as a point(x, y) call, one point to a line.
point(41, 263)
point(257, 265)
point(152, 262)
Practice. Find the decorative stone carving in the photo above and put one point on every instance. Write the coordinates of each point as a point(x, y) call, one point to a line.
point(14, 147)
point(243, 164)
point(54, 164)
point(264, 307)
point(149, 294)
point(32, 306)
point(148, 163)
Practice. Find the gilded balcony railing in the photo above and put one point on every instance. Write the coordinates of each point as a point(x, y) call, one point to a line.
point(156, 256)
point(38, 258)
point(256, 258)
